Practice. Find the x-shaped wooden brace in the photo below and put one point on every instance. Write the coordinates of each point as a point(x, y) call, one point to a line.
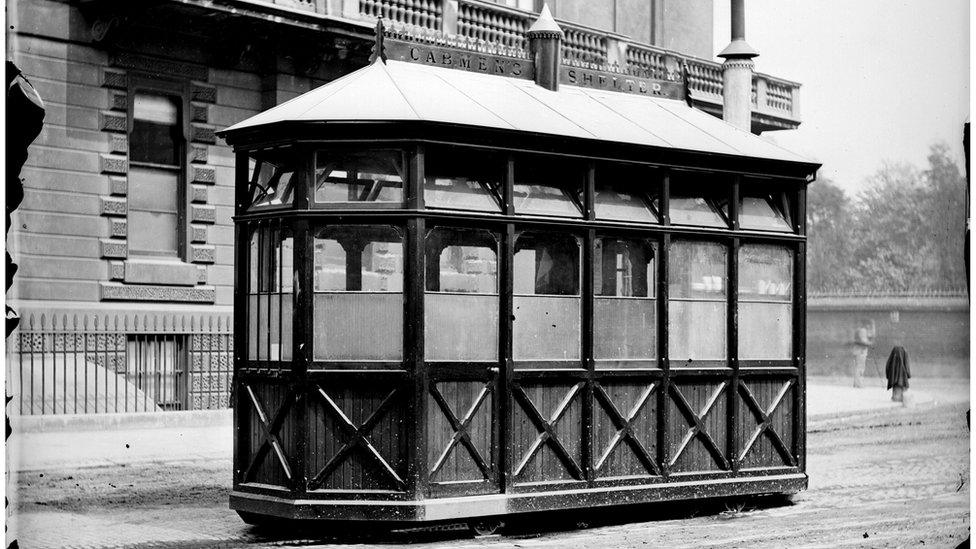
point(461, 431)
point(546, 432)
point(356, 437)
point(762, 416)
point(625, 428)
point(697, 425)
point(270, 431)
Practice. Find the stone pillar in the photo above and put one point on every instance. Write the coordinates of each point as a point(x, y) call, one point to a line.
point(545, 41)
point(737, 73)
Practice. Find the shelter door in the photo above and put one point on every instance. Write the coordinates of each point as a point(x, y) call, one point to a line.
point(463, 429)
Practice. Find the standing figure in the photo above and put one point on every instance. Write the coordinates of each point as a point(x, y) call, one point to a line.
point(897, 372)
point(863, 340)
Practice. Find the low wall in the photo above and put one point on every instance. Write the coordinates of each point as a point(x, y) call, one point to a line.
point(933, 329)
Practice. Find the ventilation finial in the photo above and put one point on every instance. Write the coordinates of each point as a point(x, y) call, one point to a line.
point(378, 48)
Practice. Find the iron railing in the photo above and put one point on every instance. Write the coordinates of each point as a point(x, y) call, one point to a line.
point(94, 365)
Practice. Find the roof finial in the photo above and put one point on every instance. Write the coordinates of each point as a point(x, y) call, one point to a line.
point(378, 49)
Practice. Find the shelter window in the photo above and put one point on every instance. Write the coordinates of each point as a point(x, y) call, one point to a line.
point(703, 204)
point(697, 301)
point(625, 308)
point(765, 211)
point(359, 176)
point(546, 297)
point(461, 179)
point(155, 187)
point(461, 304)
point(627, 194)
point(765, 302)
point(273, 181)
point(270, 303)
point(548, 187)
point(358, 297)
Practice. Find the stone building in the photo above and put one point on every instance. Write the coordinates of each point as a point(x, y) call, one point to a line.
point(125, 232)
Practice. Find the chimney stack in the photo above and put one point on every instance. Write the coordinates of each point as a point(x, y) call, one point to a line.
point(545, 38)
point(737, 72)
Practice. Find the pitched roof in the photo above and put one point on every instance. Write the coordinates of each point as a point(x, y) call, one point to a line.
point(400, 91)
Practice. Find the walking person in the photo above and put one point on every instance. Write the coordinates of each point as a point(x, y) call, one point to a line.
point(863, 341)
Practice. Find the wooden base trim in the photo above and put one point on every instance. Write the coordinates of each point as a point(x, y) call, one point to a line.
point(456, 508)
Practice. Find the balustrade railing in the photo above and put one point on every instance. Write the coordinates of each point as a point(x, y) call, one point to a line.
point(94, 365)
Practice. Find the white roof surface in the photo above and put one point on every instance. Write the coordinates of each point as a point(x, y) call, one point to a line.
point(400, 91)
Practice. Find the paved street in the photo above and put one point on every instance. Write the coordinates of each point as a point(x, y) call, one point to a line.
point(890, 477)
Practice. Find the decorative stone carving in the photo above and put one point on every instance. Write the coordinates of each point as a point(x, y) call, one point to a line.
point(119, 143)
point(204, 175)
point(203, 93)
point(114, 249)
point(118, 101)
point(112, 291)
point(115, 79)
point(118, 227)
point(203, 214)
point(203, 253)
point(119, 185)
point(158, 66)
point(116, 270)
point(199, 113)
point(113, 206)
point(199, 154)
point(202, 134)
point(114, 164)
point(112, 121)
point(198, 193)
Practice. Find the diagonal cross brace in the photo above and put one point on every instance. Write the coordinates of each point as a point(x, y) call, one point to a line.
point(763, 417)
point(356, 437)
point(460, 428)
point(546, 431)
point(270, 432)
point(625, 428)
point(697, 425)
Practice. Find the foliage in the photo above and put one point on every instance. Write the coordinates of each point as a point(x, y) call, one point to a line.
point(905, 232)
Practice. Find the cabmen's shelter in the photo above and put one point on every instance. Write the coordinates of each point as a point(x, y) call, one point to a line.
point(472, 282)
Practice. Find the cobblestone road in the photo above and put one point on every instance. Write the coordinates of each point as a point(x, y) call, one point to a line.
point(900, 478)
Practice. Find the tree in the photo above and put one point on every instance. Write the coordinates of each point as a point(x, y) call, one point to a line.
point(828, 226)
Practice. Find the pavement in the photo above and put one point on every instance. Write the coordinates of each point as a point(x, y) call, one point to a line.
point(53, 445)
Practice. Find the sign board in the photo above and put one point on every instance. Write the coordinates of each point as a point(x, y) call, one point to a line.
point(456, 58)
point(620, 82)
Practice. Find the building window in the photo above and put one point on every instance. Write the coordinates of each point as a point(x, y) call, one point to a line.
point(765, 302)
point(358, 298)
point(546, 299)
point(698, 302)
point(624, 308)
point(155, 183)
point(461, 316)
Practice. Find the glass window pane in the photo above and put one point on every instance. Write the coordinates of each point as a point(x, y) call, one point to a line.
point(461, 310)
point(155, 135)
point(547, 303)
point(765, 302)
point(358, 301)
point(697, 307)
point(625, 311)
point(548, 187)
point(627, 194)
point(463, 179)
point(700, 199)
point(273, 182)
point(152, 233)
point(362, 176)
point(270, 303)
point(765, 212)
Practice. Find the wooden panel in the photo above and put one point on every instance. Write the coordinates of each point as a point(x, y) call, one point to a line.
point(766, 441)
point(625, 429)
point(357, 434)
point(698, 427)
point(547, 431)
point(270, 432)
point(470, 404)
